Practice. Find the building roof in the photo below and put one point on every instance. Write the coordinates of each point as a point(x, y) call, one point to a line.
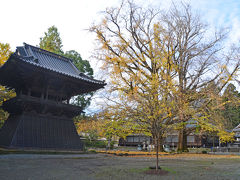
point(237, 128)
point(51, 61)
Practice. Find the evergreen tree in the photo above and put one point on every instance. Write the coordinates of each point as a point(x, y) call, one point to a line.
point(82, 65)
point(231, 110)
point(53, 43)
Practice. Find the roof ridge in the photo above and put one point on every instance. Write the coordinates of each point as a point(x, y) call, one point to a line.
point(237, 127)
point(48, 52)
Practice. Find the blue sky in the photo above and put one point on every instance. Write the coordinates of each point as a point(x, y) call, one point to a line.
point(27, 20)
point(219, 12)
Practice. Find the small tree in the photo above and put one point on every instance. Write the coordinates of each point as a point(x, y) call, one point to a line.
point(5, 93)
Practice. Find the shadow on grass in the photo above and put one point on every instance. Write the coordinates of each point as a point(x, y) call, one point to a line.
point(49, 152)
point(143, 170)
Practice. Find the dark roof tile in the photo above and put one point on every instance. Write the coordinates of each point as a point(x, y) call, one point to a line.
point(52, 61)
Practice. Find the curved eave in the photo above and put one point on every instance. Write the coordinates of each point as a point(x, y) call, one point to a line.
point(12, 76)
point(53, 70)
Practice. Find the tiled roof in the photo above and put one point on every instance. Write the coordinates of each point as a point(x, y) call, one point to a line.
point(52, 62)
point(237, 128)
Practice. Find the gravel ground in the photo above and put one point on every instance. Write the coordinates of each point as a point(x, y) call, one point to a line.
point(104, 167)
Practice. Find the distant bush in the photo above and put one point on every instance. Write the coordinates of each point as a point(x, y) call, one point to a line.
point(92, 151)
point(97, 144)
point(204, 152)
point(199, 150)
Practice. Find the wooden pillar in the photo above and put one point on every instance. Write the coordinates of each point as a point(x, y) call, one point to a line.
point(47, 93)
point(29, 92)
point(42, 95)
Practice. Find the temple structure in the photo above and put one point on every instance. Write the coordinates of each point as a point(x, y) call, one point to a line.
point(40, 114)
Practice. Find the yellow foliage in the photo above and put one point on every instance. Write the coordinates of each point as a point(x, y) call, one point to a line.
point(4, 53)
point(5, 93)
point(87, 125)
point(226, 136)
point(160, 73)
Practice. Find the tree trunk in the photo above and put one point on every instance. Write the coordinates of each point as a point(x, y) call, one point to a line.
point(182, 141)
point(159, 144)
point(157, 147)
point(213, 142)
point(185, 147)
point(109, 144)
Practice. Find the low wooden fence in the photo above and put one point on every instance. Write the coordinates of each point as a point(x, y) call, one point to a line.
point(226, 149)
